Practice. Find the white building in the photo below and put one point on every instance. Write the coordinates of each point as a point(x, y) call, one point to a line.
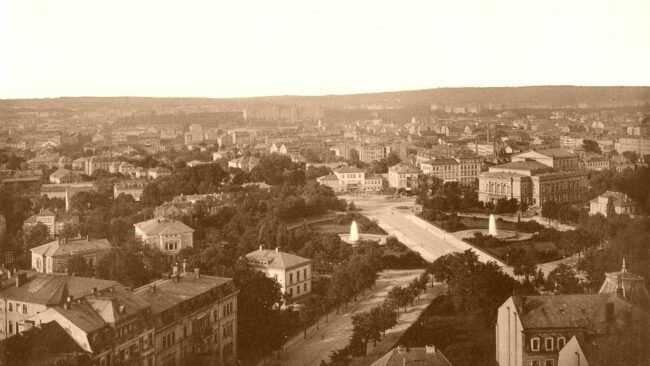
point(351, 179)
point(292, 272)
point(169, 236)
point(403, 176)
point(53, 257)
point(621, 204)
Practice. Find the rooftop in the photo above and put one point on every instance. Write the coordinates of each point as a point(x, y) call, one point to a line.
point(158, 226)
point(349, 169)
point(169, 293)
point(416, 356)
point(274, 258)
point(71, 247)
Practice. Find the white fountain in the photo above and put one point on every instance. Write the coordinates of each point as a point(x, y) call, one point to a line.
point(354, 232)
point(492, 228)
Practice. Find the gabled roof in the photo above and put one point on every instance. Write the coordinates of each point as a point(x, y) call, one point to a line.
point(276, 259)
point(159, 226)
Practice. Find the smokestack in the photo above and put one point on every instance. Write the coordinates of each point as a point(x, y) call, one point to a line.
point(277, 249)
point(197, 272)
point(261, 248)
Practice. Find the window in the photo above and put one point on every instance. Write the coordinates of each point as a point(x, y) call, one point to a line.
point(534, 363)
point(298, 276)
point(290, 278)
point(11, 307)
point(290, 292)
point(534, 344)
point(561, 341)
point(305, 287)
point(24, 309)
point(11, 327)
point(298, 290)
point(549, 363)
point(305, 273)
point(548, 344)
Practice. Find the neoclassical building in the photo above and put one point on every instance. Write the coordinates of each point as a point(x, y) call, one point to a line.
point(531, 182)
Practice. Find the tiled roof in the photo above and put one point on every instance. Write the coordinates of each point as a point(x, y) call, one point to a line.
point(328, 177)
point(71, 247)
point(271, 258)
point(567, 311)
point(53, 289)
point(443, 161)
point(159, 226)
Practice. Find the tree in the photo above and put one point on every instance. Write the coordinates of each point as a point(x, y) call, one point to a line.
point(78, 266)
point(36, 235)
point(392, 159)
point(591, 146)
point(563, 280)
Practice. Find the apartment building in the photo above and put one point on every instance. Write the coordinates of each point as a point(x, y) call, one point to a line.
point(195, 317)
point(134, 188)
point(403, 176)
point(351, 179)
point(464, 170)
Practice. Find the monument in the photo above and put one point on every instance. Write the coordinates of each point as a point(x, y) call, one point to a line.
point(354, 232)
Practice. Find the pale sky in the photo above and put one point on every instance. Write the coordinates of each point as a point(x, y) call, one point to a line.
point(235, 48)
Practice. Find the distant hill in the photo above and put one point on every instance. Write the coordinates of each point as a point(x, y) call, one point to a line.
point(509, 97)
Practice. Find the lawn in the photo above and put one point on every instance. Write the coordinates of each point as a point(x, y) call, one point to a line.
point(465, 341)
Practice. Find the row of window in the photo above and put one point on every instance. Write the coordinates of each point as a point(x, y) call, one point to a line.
point(305, 290)
point(304, 271)
point(539, 363)
point(171, 245)
point(169, 340)
point(228, 309)
point(550, 343)
point(11, 308)
point(228, 329)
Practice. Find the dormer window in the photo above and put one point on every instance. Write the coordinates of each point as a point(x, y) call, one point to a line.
point(548, 344)
point(534, 344)
point(561, 341)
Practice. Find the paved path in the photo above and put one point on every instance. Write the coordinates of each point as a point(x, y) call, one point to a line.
point(397, 218)
point(336, 333)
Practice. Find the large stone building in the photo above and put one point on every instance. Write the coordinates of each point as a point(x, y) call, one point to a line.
point(535, 330)
point(292, 272)
point(403, 176)
point(558, 159)
point(96, 163)
point(351, 179)
point(54, 257)
point(532, 183)
point(195, 315)
point(464, 170)
point(167, 235)
point(134, 188)
point(370, 153)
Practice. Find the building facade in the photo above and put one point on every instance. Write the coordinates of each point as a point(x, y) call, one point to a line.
point(167, 235)
point(403, 176)
point(54, 257)
point(293, 273)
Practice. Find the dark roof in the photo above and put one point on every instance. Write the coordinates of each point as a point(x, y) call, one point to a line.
point(53, 289)
point(349, 169)
point(567, 311)
point(556, 153)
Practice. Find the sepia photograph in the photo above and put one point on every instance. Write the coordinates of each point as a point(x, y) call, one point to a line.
point(324, 183)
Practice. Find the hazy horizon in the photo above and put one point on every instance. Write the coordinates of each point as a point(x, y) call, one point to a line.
point(197, 49)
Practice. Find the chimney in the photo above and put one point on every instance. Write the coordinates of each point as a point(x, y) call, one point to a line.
point(94, 290)
point(185, 266)
point(197, 272)
point(401, 349)
point(121, 309)
point(152, 289)
point(66, 306)
point(277, 249)
point(261, 248)
point(69, 299)
point(430, 349)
